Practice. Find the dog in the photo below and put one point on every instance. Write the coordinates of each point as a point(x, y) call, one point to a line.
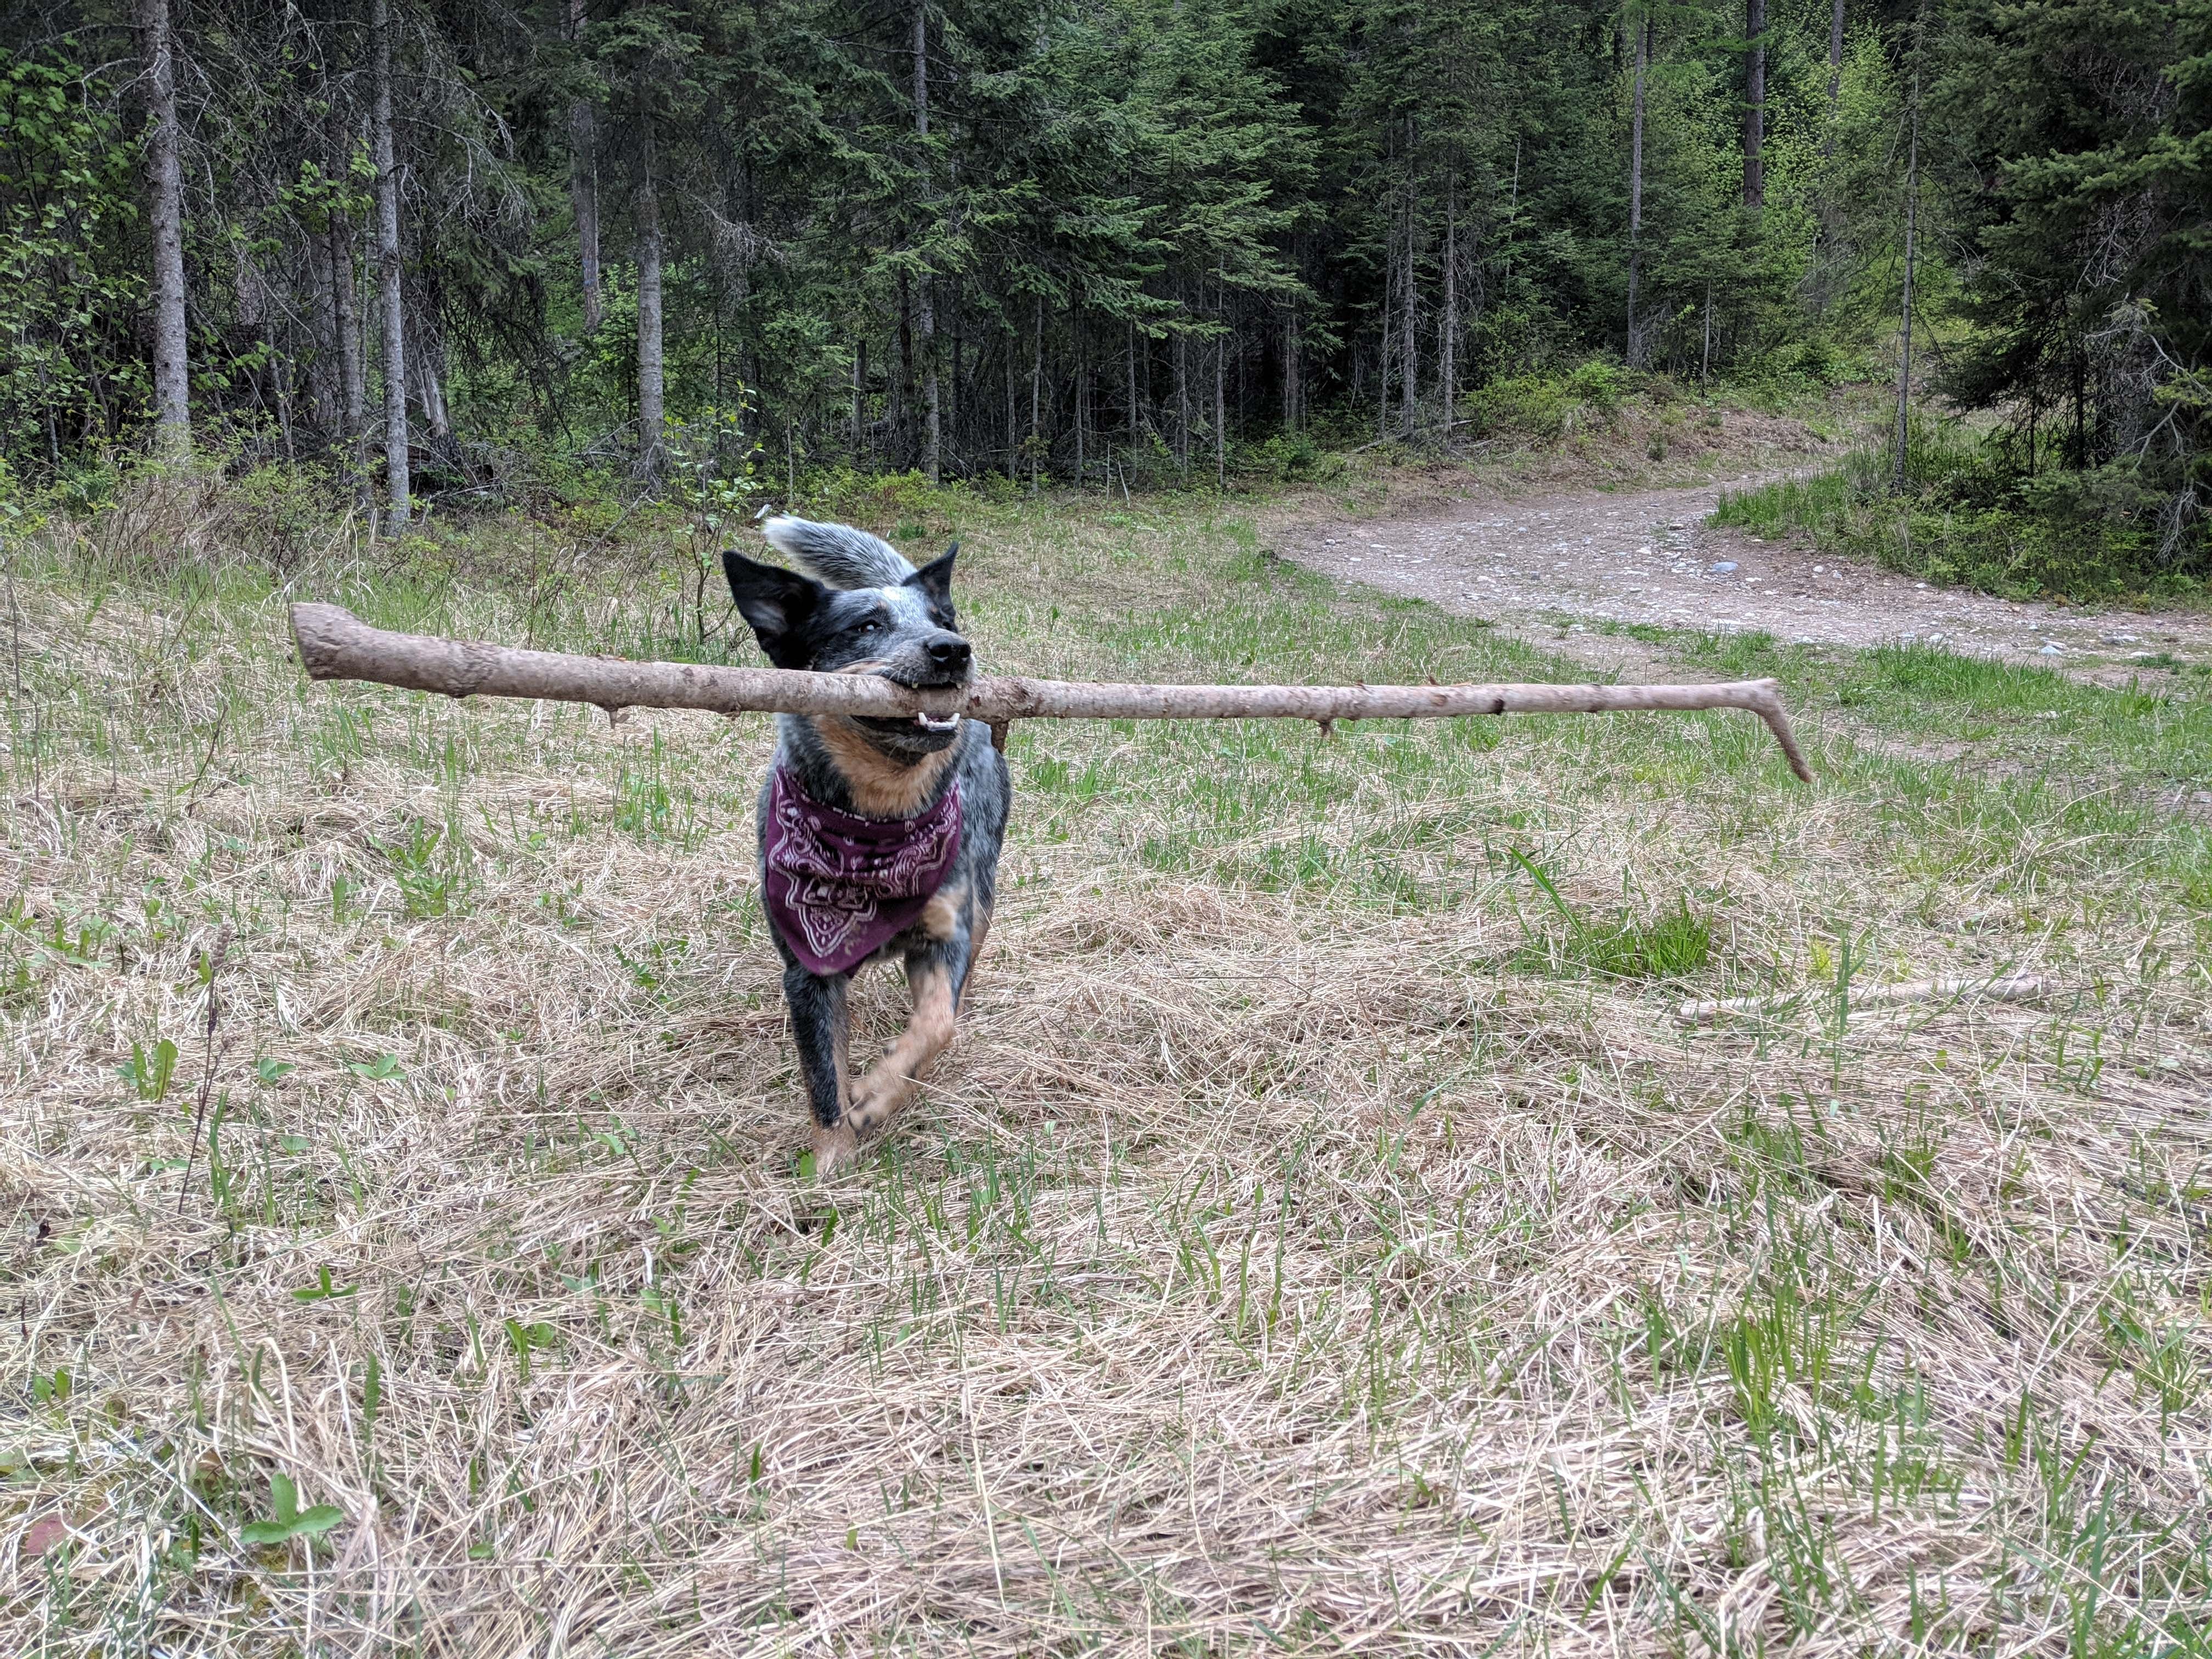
point(879, 837)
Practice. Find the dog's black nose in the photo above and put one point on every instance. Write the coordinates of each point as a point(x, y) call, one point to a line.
point(948, 650)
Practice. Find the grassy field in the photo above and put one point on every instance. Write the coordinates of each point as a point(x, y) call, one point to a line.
point(1322, 1238)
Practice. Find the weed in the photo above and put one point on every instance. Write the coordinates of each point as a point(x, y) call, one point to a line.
point(1670, 946)
point(286, 1520)
point(149, 1074)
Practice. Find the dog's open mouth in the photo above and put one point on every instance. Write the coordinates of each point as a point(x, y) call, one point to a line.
point(922, 723)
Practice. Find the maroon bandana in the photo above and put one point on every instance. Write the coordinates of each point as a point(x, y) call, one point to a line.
point(839, 885)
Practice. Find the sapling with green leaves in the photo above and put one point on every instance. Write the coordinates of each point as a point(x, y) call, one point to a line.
point(286, 1520)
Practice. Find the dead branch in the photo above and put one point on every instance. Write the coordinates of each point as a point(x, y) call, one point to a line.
point(336, 644)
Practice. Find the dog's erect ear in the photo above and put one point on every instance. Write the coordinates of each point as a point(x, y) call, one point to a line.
point(935, 579)
point(777, 602)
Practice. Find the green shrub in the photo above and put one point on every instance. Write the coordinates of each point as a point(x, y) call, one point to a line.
point(1542, 407)
point(1966, 517)
point(1813, 364)
point(1287, 457)
point(1596, 385)
point(904, 506)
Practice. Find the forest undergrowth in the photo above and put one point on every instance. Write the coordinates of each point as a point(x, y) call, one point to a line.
point(1323, 1235)
point(1962, 511)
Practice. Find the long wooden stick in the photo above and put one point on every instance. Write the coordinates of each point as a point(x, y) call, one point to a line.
point(337, 645)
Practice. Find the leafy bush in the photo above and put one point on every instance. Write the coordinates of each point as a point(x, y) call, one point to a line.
point(1968, 517)
point(1812, 365)
point(1541, 407)
point(1597, 385)
point(1287, 457)
point(904, 506)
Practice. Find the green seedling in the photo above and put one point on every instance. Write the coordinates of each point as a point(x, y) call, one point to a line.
point(150, 1074)
point(526, 1338)
point(323, 1289)
point(287, 1520)
point(382, 1069)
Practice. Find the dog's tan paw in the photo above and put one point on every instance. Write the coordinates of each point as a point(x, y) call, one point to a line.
point(833, 1149)
point(875, 1100)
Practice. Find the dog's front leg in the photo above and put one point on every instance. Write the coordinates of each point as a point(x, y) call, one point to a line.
point(819, 1026)
point(931, 974)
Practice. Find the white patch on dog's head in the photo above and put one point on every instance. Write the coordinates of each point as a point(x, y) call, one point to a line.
point(906, 605)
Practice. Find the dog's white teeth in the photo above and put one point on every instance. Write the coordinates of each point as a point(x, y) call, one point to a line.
point(938, 722)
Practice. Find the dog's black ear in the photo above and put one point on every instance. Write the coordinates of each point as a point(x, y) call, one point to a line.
point(777, 602)
point(935, 581)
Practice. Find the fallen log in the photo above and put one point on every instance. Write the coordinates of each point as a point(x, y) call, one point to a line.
point(2023, 988)
point(337, 645)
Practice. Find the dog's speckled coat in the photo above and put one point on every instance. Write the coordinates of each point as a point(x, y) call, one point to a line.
point(864, 609)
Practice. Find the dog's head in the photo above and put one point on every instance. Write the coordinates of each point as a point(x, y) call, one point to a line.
point(864, 610)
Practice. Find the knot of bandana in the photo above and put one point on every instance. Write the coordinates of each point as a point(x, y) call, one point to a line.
point(839, 887)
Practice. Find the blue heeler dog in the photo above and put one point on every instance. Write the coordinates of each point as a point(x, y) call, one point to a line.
point(879, 837)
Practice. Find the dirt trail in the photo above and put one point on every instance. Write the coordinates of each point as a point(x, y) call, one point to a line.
point(1562, 561)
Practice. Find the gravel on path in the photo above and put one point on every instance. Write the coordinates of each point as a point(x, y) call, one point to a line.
point(1647, 556)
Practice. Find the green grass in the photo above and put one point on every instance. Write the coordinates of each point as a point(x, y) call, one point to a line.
point(1966, 516)
point(1323, 1235)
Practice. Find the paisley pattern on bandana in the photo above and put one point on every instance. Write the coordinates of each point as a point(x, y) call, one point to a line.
point(840, 886)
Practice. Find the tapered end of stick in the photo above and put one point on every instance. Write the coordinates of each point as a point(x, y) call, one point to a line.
point(1768, 706)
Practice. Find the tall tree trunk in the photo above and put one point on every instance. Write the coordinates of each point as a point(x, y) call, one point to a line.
point(901, 389)
point(1388, 338)
point(387, 272)
point(326, 407)
point(645, 208)
point(1835, 77)
point(431, 395)
point(1037, 398)
point(1409, 388)
point(165, 192)
point(1912, 250)
point(584, 193)
point(1220, 388)
point(1513, 211)
point(353, 372)
point(1829, 256)
point(932, 414)
point(1754, 98)
point(1183, 385)
point(1291, 389)
point(1135, 411)
point(584, 186)
point(1635, 190)
point(859, 379)
point(1448, 343)
point(933, 407)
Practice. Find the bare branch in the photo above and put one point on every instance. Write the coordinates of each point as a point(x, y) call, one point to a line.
point(336, 644)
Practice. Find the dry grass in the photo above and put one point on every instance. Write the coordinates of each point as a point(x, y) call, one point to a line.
point(1302, 1249)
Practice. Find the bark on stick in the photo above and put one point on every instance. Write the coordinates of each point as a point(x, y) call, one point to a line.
point(336, 644)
